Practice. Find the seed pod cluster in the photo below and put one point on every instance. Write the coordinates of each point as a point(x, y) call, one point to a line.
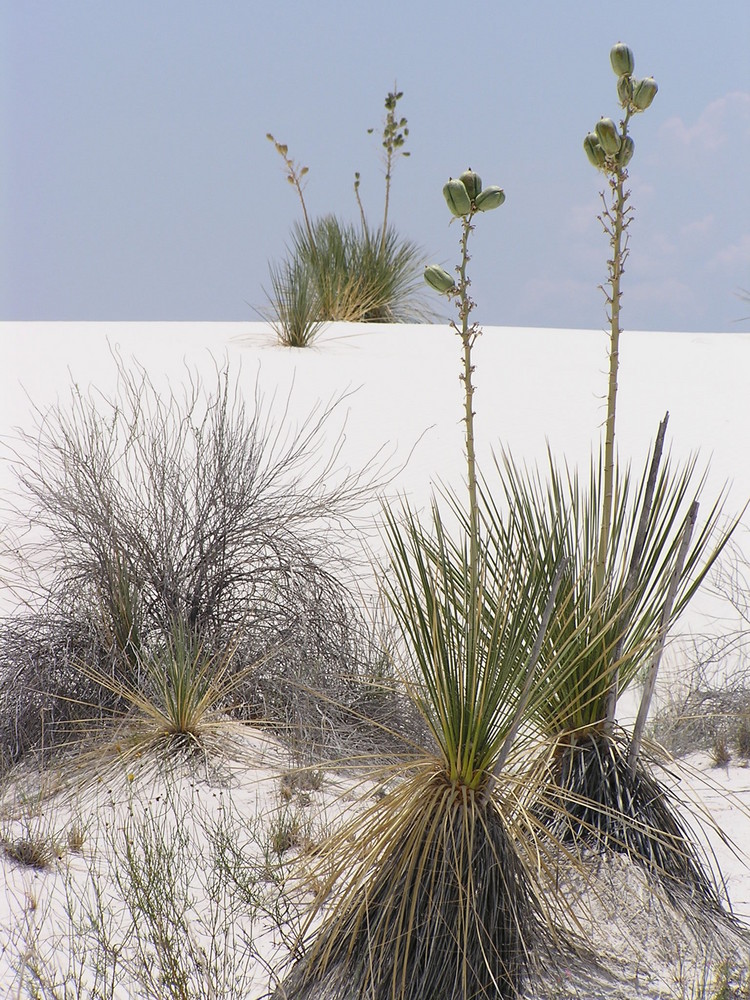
point(465, 195)
point(636, 95)
point(599, 147)
point(606, 147)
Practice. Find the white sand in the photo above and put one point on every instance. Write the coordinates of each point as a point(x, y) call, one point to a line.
point(403, 404)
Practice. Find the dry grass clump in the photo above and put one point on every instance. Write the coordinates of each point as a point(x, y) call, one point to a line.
point(710, 707)
point(179, 571)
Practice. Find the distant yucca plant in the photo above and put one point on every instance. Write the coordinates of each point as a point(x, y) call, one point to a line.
point(355, 275)
point(335, 271)
point(295, 306)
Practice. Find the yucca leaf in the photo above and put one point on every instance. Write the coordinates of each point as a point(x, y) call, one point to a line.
point(596, 635)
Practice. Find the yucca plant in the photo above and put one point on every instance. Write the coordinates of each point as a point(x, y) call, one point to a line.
point(357, 275)
point(631, 568)
point(347, 273)
point(601, 790)
point(432, 891)
point(295, 306)
point(176, 697)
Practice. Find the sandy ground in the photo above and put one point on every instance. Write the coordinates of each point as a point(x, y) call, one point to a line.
point(399, 405)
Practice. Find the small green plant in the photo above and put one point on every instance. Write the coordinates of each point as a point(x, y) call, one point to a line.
point(731, 982)
point(76, 836)
point(295, 303)
point(286, 831)
point(301, 781)
point(180, 696)
point(353, 274)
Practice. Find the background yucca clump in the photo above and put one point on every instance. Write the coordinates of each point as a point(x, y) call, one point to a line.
point(601, 792)
point(338, 271)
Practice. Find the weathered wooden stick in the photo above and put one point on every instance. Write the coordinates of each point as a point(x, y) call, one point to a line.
point(648, 691)
point(633, 571)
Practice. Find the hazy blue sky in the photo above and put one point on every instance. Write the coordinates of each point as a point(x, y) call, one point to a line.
point(137, 182)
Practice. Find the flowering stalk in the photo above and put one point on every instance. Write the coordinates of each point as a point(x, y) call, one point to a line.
point(611, 149)
point(615, 221)
point(465, 197)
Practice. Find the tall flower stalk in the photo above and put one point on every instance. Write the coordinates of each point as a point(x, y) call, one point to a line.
point(395, 133)
point(465, 197)
point(610, 149)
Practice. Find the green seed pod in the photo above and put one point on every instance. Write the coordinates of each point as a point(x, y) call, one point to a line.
point(622, 59)
point(491, 197)
point(472, 182)
point(457, 197)
point(608, 136)
point(644, 91)
point(625, 90)
point(626, 152)
point(438, 278)
point(594, 151)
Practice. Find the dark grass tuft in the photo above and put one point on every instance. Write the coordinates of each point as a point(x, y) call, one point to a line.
point(597, 803)
point(36, 852)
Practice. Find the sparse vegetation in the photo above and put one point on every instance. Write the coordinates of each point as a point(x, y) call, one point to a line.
point(186, 890)
point(181, 576)
point(185, 620)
